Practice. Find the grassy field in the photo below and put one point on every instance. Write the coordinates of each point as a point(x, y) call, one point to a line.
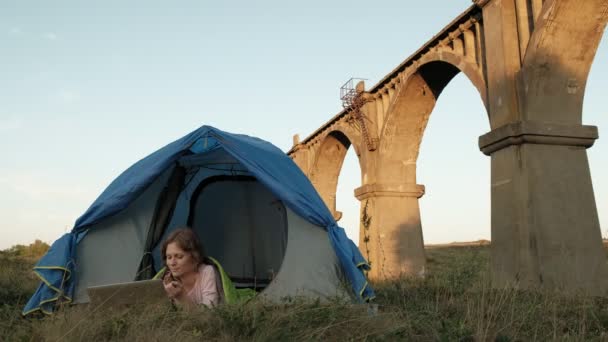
point(453, 303)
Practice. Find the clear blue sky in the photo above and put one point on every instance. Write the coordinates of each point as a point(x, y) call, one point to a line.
point(88, 88)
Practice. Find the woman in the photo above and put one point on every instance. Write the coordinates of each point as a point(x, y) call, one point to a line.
point(188, 280)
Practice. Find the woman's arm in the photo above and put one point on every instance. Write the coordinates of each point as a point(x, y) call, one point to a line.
point(208, 294)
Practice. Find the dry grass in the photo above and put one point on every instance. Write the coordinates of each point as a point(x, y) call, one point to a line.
point(455, 302)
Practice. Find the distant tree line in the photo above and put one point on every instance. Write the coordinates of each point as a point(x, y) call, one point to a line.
point(34, 250)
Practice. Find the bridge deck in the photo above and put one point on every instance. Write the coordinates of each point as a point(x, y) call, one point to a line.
point(472, 11)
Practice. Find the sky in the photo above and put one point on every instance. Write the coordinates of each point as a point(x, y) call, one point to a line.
point(89, 88)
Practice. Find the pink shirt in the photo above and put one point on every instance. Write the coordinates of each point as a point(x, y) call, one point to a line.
point(205, 290)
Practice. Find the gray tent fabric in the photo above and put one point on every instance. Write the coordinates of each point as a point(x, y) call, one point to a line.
point(310, 267)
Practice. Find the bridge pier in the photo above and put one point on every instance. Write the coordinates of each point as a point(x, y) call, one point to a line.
point(545, 227)
point(530, 62)
point(391, 233)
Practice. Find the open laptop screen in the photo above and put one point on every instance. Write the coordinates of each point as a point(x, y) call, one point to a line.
point(135, 292)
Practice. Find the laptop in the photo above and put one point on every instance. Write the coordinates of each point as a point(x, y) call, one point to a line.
point(136, 292)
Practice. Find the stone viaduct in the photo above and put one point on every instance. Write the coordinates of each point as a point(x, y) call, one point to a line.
point(529, 60)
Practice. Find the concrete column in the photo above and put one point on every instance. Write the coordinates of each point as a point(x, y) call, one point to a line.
point(470, 52)
point(537, 6)
point(545, 227)
point(379, 112)
point(458, 46)
point(300, 156)
point(392, 241)
point(523, 27)
point(503, 63)
point(479, 45)
point(385, 101)
point(391, 93)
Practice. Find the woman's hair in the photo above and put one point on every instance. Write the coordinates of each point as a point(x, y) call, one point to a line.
point(186, 239)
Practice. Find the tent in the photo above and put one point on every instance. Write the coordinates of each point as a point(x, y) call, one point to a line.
point(254, 209)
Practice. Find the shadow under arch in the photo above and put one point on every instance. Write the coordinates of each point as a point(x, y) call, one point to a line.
point(328, 163)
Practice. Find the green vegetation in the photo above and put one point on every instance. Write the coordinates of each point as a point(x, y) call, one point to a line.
point(454, 302)
point(32, 252)
point(17, 283)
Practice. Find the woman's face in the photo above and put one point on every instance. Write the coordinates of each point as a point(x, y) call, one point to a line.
point(179, 261)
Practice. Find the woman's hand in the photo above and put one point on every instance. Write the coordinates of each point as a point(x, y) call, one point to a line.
point(172, 287)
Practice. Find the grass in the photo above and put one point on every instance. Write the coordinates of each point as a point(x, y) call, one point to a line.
point(17, 283)
point(453, 303)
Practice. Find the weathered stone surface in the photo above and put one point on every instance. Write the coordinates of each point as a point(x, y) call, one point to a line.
point(529, 60)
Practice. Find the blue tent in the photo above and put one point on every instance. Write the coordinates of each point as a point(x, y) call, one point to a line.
point(165, 190)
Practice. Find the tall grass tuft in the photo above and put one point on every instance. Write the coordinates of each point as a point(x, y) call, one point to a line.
point(17, 283)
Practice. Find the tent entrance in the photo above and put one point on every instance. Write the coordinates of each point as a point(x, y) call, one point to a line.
point(242, 225)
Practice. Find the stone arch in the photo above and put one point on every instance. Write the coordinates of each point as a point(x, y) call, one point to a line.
point(464, 65)
point(408, 115)
point(395, 239)
point(558, 59)
point(532, 87)
point(329, 158)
